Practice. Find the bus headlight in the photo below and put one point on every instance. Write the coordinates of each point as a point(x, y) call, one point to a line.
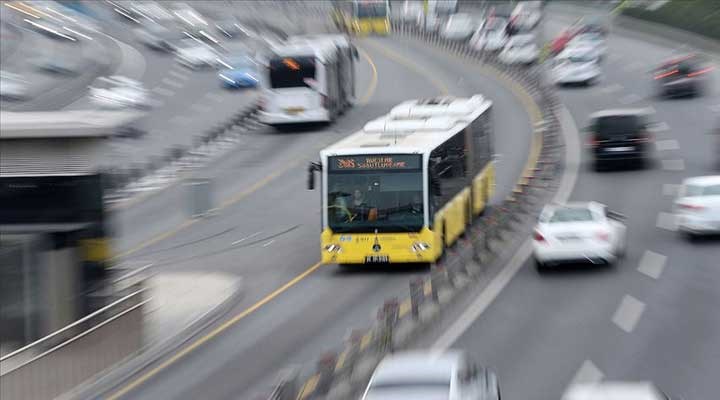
point(333, 248)
point(419, 246)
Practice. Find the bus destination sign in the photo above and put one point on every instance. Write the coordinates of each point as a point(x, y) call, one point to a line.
point(375, 162)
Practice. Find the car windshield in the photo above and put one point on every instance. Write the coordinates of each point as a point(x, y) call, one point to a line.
point(700, 190)
point(571, 215)
point(617, 125)
point(288, 72)
point(376, 192)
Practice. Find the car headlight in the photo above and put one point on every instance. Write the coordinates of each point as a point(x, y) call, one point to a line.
point(419, 246)
point(333, 248)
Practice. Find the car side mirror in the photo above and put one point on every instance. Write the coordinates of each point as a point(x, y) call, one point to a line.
point(311, 174)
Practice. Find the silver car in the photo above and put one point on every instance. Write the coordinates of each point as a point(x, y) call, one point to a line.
point(421, 375)
point(697, 206)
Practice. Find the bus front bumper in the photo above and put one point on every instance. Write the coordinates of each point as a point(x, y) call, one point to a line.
point(305, 116)
point(384, 248)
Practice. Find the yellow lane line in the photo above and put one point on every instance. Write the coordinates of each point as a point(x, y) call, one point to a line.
point(210, 335)
point(373, 80)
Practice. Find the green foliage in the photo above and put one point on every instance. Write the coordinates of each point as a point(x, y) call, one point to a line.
point(698, 16)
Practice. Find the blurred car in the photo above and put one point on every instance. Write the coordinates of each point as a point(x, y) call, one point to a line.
point(697, 206)
point(559, 42)
point(232, 29)
point(491, 37)
point(613, 390)
point(59, 64)
point(241, 72)
point(429, 22)
point(12, 86)
point(411, 11)
point(458, 27)
point(576, 65)
point(526, 15)
point(620, 135)
point(116, 91)
point(520, 49)
point(195, 54)
point(158, 37)
point(686, 75)
point(416, 375)
point(594, 24)
point(578, 232)
point(593, 41)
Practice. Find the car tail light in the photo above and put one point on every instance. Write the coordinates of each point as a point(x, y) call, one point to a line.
point(538, 237)
point(602, 235)
point(593, 141)
point(702, 71)
point(691, 207)
point(666, 74)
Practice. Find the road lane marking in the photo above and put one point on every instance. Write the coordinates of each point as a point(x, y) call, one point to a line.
point(652, 264)
point(666, 145)
point(163, 91)
point(587, 373)
point(210, 335)
point(172, 82)
point(659, 127)
point(179, 75)
point(673, 165)
point(715, 108)
point(268, 243)
point(628, 313)
point(629, 99)
point(611, 89)
point(671, 189)
point(246, 238)
point(666, 221)
point(373, 80)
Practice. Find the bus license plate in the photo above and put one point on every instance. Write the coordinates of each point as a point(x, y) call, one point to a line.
point(377, 259)
point(293, 111)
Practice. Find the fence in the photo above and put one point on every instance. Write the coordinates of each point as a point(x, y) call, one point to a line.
point(58, 362)
point(340, 375)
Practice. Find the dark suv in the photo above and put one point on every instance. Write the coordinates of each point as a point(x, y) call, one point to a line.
point(620, 136)
point(684, 76)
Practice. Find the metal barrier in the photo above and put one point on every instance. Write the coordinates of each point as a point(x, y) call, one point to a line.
point(59, 362)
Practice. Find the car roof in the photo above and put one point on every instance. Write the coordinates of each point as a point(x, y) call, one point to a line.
point(417, 365)
point(613, 391)
point(620, 112)
point(574, 51)
point(702, 180)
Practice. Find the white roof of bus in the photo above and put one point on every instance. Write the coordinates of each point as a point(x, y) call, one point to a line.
point(322, 50)
point(415, 126)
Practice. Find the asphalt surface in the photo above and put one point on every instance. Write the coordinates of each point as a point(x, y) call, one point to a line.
point(654, 315)
point(268, 231)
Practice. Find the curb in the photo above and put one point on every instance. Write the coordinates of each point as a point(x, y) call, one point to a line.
point(107, 381)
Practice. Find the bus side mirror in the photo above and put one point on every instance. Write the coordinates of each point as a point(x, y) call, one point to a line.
point(311, 174)
point(355, 52)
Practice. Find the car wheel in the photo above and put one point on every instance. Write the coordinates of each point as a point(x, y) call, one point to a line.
point(690, 236)
point(598, 166)
point(540, 267)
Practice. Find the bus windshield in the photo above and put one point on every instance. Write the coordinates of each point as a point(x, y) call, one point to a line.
point(371, 9)
point(365, 196)
point(289, 72)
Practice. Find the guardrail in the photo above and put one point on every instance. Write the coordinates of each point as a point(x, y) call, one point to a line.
point(341, 374)
point(60, 361)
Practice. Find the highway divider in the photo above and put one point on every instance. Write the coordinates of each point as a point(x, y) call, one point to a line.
point(471, 262)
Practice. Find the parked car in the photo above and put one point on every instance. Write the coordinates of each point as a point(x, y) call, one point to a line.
point(12, 86)
point(458, 27)
point(491, 37)
point(116, 91)
point(620, 136)
point(576, 65)
point(687, 75)
point(578, 233)
point(520, 49)
point(418, 375)
point(697, 206)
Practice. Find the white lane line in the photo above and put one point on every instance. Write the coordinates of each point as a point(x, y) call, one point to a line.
point(173, 82)
point(488, 295)
point(660, 126)
point(616, 87)
point(628, 313)
point(670, 189)
point(179, 75)
point(587, 373)
point(268, 243)
point(666, 145)
point(163, 91)
point(629, 99)
point(652, 264)
point(715, 108)
point(666, 221)
point(246, 238)
point(673, 165)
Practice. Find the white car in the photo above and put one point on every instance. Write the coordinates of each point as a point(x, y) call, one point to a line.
point(492, 37)
point(458, 27)
point(195, 54)
point(411, 11)
point(594, 41)
point(576, 65)
point(428, 22)
point(578, 232)
point(117, 92)
point(419, 375)
point(520, 49)
point(12, 86)
point(614, 391)
point(697, 206)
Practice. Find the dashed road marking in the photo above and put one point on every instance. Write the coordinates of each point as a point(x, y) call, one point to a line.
point(673, 165)
point(665, 145)
point(179, 75)
point(616, 87)
point(163, 91)
point(172, 82)
point(628, 313)
point(660, 126)
point(629, 99)
point(666, 221)
point(670, 189)
point(715, 108)
point(652, 264)
point(246, 238)
point(587, 373)
point(268, 243)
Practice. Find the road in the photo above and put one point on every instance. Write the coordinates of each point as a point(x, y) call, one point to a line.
point(654, 315)
point(267, 231)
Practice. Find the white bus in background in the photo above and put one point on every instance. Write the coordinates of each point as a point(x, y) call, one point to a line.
point(307, 81)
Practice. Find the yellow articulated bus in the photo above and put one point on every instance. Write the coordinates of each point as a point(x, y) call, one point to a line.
point(362, 17)
point(408, 184)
